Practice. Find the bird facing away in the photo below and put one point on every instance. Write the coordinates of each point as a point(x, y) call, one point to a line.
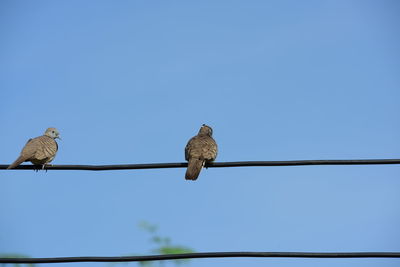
point(200, 150)
point(39, 150)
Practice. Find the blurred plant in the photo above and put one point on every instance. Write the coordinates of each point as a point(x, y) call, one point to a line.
point(163, 246)
point(14, 255)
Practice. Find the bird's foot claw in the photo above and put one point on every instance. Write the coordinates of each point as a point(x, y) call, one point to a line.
point(36, 168)
point(42, 167)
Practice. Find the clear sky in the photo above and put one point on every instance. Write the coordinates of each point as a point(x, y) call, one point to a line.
point(132, 81)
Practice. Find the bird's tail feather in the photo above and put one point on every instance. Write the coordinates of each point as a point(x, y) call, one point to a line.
point(193, 169)
point(18, 161)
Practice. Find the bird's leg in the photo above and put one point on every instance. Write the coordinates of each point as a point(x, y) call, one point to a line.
point(47, 165)
point(44, 166)
point(205, 164)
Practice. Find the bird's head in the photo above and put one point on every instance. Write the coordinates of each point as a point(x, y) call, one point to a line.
point(53, 133)
point(206, 130)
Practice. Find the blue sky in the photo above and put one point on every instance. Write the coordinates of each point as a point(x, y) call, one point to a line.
point(132, 81)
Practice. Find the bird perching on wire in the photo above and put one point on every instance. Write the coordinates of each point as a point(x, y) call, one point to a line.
point(40, 150)
point(200, 150)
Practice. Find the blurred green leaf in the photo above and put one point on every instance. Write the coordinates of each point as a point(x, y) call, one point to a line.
point(151, 228)
point(175, 250)
point(156, 239)
point(163, 246)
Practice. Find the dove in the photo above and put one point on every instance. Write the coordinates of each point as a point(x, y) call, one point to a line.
point(39, 150)
point(200, 150)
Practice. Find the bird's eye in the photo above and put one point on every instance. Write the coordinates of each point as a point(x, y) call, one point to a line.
point(52, 131)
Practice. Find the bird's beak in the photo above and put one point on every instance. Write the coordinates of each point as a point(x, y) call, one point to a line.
point(58, 137)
